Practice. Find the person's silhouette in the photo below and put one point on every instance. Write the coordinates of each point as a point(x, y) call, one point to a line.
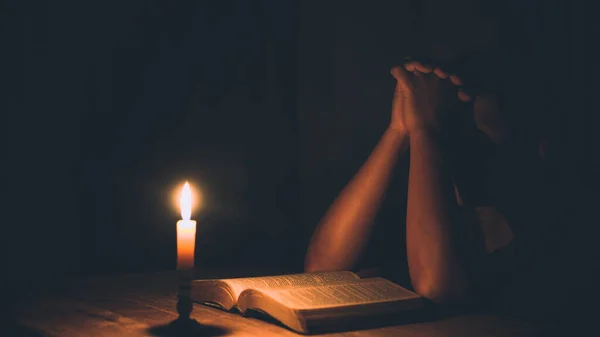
point(478, 210)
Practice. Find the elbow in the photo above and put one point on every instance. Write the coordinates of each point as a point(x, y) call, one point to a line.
point(312, 265)
point(441, 292)
point(327, 257)
point(312, 268)
point(317, 260)
point(434, 293)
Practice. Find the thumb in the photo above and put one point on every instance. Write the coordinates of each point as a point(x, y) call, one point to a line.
point(401, 76)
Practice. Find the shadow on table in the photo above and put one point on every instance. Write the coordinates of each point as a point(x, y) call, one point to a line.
point(182, 327)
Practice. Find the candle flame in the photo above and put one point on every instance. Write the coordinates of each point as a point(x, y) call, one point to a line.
point(185, 202)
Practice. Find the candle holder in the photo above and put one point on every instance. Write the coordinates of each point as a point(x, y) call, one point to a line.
point(184, 302)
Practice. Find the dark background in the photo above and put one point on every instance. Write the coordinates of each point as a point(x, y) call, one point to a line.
point(267, 106)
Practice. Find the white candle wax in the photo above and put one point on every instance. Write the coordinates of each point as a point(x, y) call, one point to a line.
point(186, 240)
point(186, 231)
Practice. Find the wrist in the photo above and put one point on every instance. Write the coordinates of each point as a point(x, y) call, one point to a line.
point(399, 138)
point(429, 135)
point(396, 134)
point(429, 131)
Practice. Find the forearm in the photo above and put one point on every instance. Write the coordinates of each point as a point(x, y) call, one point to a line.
point(342, 234)
point(434, 268)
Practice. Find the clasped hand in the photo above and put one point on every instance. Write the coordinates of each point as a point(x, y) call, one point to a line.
point(419, 97)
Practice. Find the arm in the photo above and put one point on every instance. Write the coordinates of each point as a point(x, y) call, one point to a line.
point(434, 268)
point(342, 234)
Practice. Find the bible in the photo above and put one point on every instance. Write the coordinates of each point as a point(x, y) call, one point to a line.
point(304, 302)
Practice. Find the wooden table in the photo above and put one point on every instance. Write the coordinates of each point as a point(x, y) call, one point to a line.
point(144, 305)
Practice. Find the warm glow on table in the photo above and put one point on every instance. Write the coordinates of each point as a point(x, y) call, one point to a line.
point(186, 231)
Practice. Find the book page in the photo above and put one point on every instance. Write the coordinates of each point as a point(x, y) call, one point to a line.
point(294, 280)
point(361, 292)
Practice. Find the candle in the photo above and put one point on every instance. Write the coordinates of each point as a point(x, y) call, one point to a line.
point(186, 231)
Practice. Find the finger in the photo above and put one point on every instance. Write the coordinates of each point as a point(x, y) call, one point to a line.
point(440, 73)
point(416, 66)
point(455, 80)
point(402, 77)
point(398, 100)
point(463, 96)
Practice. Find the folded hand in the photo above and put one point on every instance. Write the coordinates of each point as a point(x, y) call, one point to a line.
point(419, 98)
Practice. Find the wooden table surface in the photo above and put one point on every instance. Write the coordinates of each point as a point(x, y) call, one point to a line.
point(144, 305)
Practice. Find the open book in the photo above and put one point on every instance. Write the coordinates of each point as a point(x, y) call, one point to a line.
point(306, 301)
